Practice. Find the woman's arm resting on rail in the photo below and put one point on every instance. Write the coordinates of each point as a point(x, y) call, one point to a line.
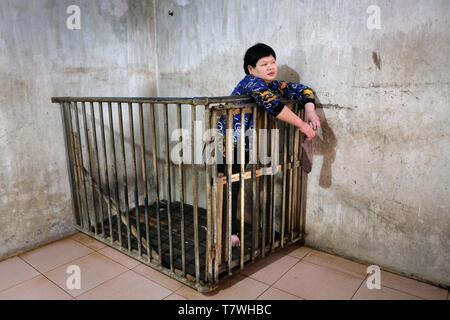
point(290, 117)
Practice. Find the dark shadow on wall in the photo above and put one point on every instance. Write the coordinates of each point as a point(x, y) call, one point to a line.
point(325, 141)
point(325, 146)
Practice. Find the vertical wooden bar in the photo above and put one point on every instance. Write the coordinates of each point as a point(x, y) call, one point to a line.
point(302, 192)
point(242, 191)
point(181, 188)
point(229, 164)
point(114, 172)
point(124, 176)
point(264, 213)
point(195, 195)
point(80, 164)
point(217, 203)
point(303, 205)
point(145, 183)
point(168, 187)
point(209, 252)
point(88, 147)
point(97, 164)
point(105, 171)
point(219, 236)
point(271, 182)
point(155, 177)
point(75, 181)
point(300, 176)
point(136, 190)
point(292, 130)
point(259, 182)
point(294, 185)
point(255, 190)
point(274, 182)
point(283, 196)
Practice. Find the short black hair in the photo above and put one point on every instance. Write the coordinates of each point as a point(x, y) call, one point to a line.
point(253, 54)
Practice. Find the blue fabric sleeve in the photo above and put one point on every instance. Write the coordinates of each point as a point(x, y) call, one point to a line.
point(297, 91)
point(260, 92)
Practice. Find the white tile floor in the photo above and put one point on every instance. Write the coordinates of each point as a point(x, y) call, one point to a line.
point(295, 273)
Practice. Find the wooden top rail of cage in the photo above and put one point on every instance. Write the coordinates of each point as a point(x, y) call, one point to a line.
point(159, 100)
point(169, 100)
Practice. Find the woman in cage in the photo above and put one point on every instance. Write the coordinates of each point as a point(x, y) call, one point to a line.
point(259, 83)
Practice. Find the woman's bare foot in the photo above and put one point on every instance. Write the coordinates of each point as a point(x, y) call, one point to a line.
point(235, 242)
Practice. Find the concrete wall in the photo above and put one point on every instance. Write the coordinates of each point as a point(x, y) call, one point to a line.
point(379, 189)
point(113, 54)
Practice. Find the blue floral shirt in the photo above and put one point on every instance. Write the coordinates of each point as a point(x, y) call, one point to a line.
point(264, 95)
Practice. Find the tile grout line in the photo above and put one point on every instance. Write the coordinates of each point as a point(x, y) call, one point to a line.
point(299, 260)
point(359, 287)
point(118, 261)
point(403, 291)
point(181, 284)
point(289, 293)
point(279, 290)
point(170, 295)
point(408, 293)
point(365, 277)
point(336, 270)
point(227, 277)
point(244, 276)
point(262, 292)
point(387, 286)
point(42, 274)
point(60, 265)
point(129, 269)
point(132, 268)
point(93, 251)
point(106, 281)
point(271, 285)
point(108, 246)
point(154, 280)
point(178, 293)
point(96, 250)
point(19, 283)
point(102, 283)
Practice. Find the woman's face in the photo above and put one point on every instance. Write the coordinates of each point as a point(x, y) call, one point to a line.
point(266, 68)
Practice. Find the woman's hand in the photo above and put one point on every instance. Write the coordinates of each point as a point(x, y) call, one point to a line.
point(307, 130)
point(311, 116)
point(290, 117)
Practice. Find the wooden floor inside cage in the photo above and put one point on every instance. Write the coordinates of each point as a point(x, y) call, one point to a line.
point(164, 234)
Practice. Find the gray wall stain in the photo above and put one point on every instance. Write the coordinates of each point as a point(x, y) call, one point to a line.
point(377, 60)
